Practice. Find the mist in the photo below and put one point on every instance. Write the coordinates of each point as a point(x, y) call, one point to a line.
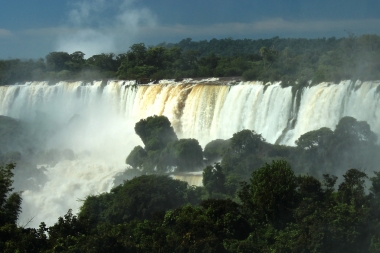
point(73, 119)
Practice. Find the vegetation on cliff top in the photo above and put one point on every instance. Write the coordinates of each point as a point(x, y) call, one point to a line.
point(277, 59)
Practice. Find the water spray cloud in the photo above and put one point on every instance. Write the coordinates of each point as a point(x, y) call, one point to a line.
point(91, 31)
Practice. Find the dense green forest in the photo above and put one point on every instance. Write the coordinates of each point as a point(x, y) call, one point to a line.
point(289, 60)
point(257, 196)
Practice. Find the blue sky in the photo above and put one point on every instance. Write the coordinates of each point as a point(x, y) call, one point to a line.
point(33, 28)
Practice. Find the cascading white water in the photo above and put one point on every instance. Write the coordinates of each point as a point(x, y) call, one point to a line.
point(205, 110)
point(100, 138)
point(325, 104)
point(192, 178)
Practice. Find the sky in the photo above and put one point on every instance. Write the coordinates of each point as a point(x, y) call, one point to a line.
point(30, 29)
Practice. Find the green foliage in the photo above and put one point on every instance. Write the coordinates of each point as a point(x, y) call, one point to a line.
point(354, 131)
point(155, 132)
point(10, 203)
point(163, 152)
point(103, 62)
point(215, 149)
point(185, 154)
point(64, 234)
point(136, 157)
point(242, 155)
point(279, 212)
point(351, 191)
point(214, 179)
point(315, 139)
point(56, 61)
point(13, 135)
point(246, 141)
point(352, 141)
point(228, 218)
point(251, 74)
point(375, 189)
point(273, 191)
point(292, 61)
point(190, 230)
point(138, 198)
point(12, 237)
point(18, 239)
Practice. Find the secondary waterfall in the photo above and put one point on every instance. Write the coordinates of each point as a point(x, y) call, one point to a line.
point(204, 109)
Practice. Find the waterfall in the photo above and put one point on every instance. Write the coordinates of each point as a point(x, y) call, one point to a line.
point(192, 178)
point(204, 109)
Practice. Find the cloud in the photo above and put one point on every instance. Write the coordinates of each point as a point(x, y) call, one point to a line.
point(315, 26)
point(5, 33)
point(81, 12)
point(276, 26)
point(101, 26)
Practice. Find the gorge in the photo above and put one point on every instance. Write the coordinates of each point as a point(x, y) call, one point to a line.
point(96, 119)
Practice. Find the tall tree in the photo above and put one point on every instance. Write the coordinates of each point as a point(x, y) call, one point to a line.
point(56, 61)
point(273, 192)
point(10, 202)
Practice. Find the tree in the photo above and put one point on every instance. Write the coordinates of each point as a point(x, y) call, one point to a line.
point(190, 229)
point(66, 233)
point(10, 203)
point(103, 62)
point(351, 191)
point(185, 154)
point(354, 143)
point(230, 223)
point(315, 139)
point(215, 149)
point(375, 188)
point(139, 53)
point(268, 55)
point(12, 237)
point(56, 61)
point(155, 56)
point(314, 148)
point(138, 198)
point(246, 141)
point(244, 153)
point(189, 61)
point(137, 157)
point(355, 131)
point(155, 132)
point(273, 192)
point(76, 62)
point(214, 179)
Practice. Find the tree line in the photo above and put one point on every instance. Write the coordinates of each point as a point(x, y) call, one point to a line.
point(275, 211)
point(292, 61)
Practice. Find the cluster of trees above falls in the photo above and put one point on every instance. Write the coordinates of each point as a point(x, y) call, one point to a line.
point(260, 197)
point(289, 60)
point(351, 145)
